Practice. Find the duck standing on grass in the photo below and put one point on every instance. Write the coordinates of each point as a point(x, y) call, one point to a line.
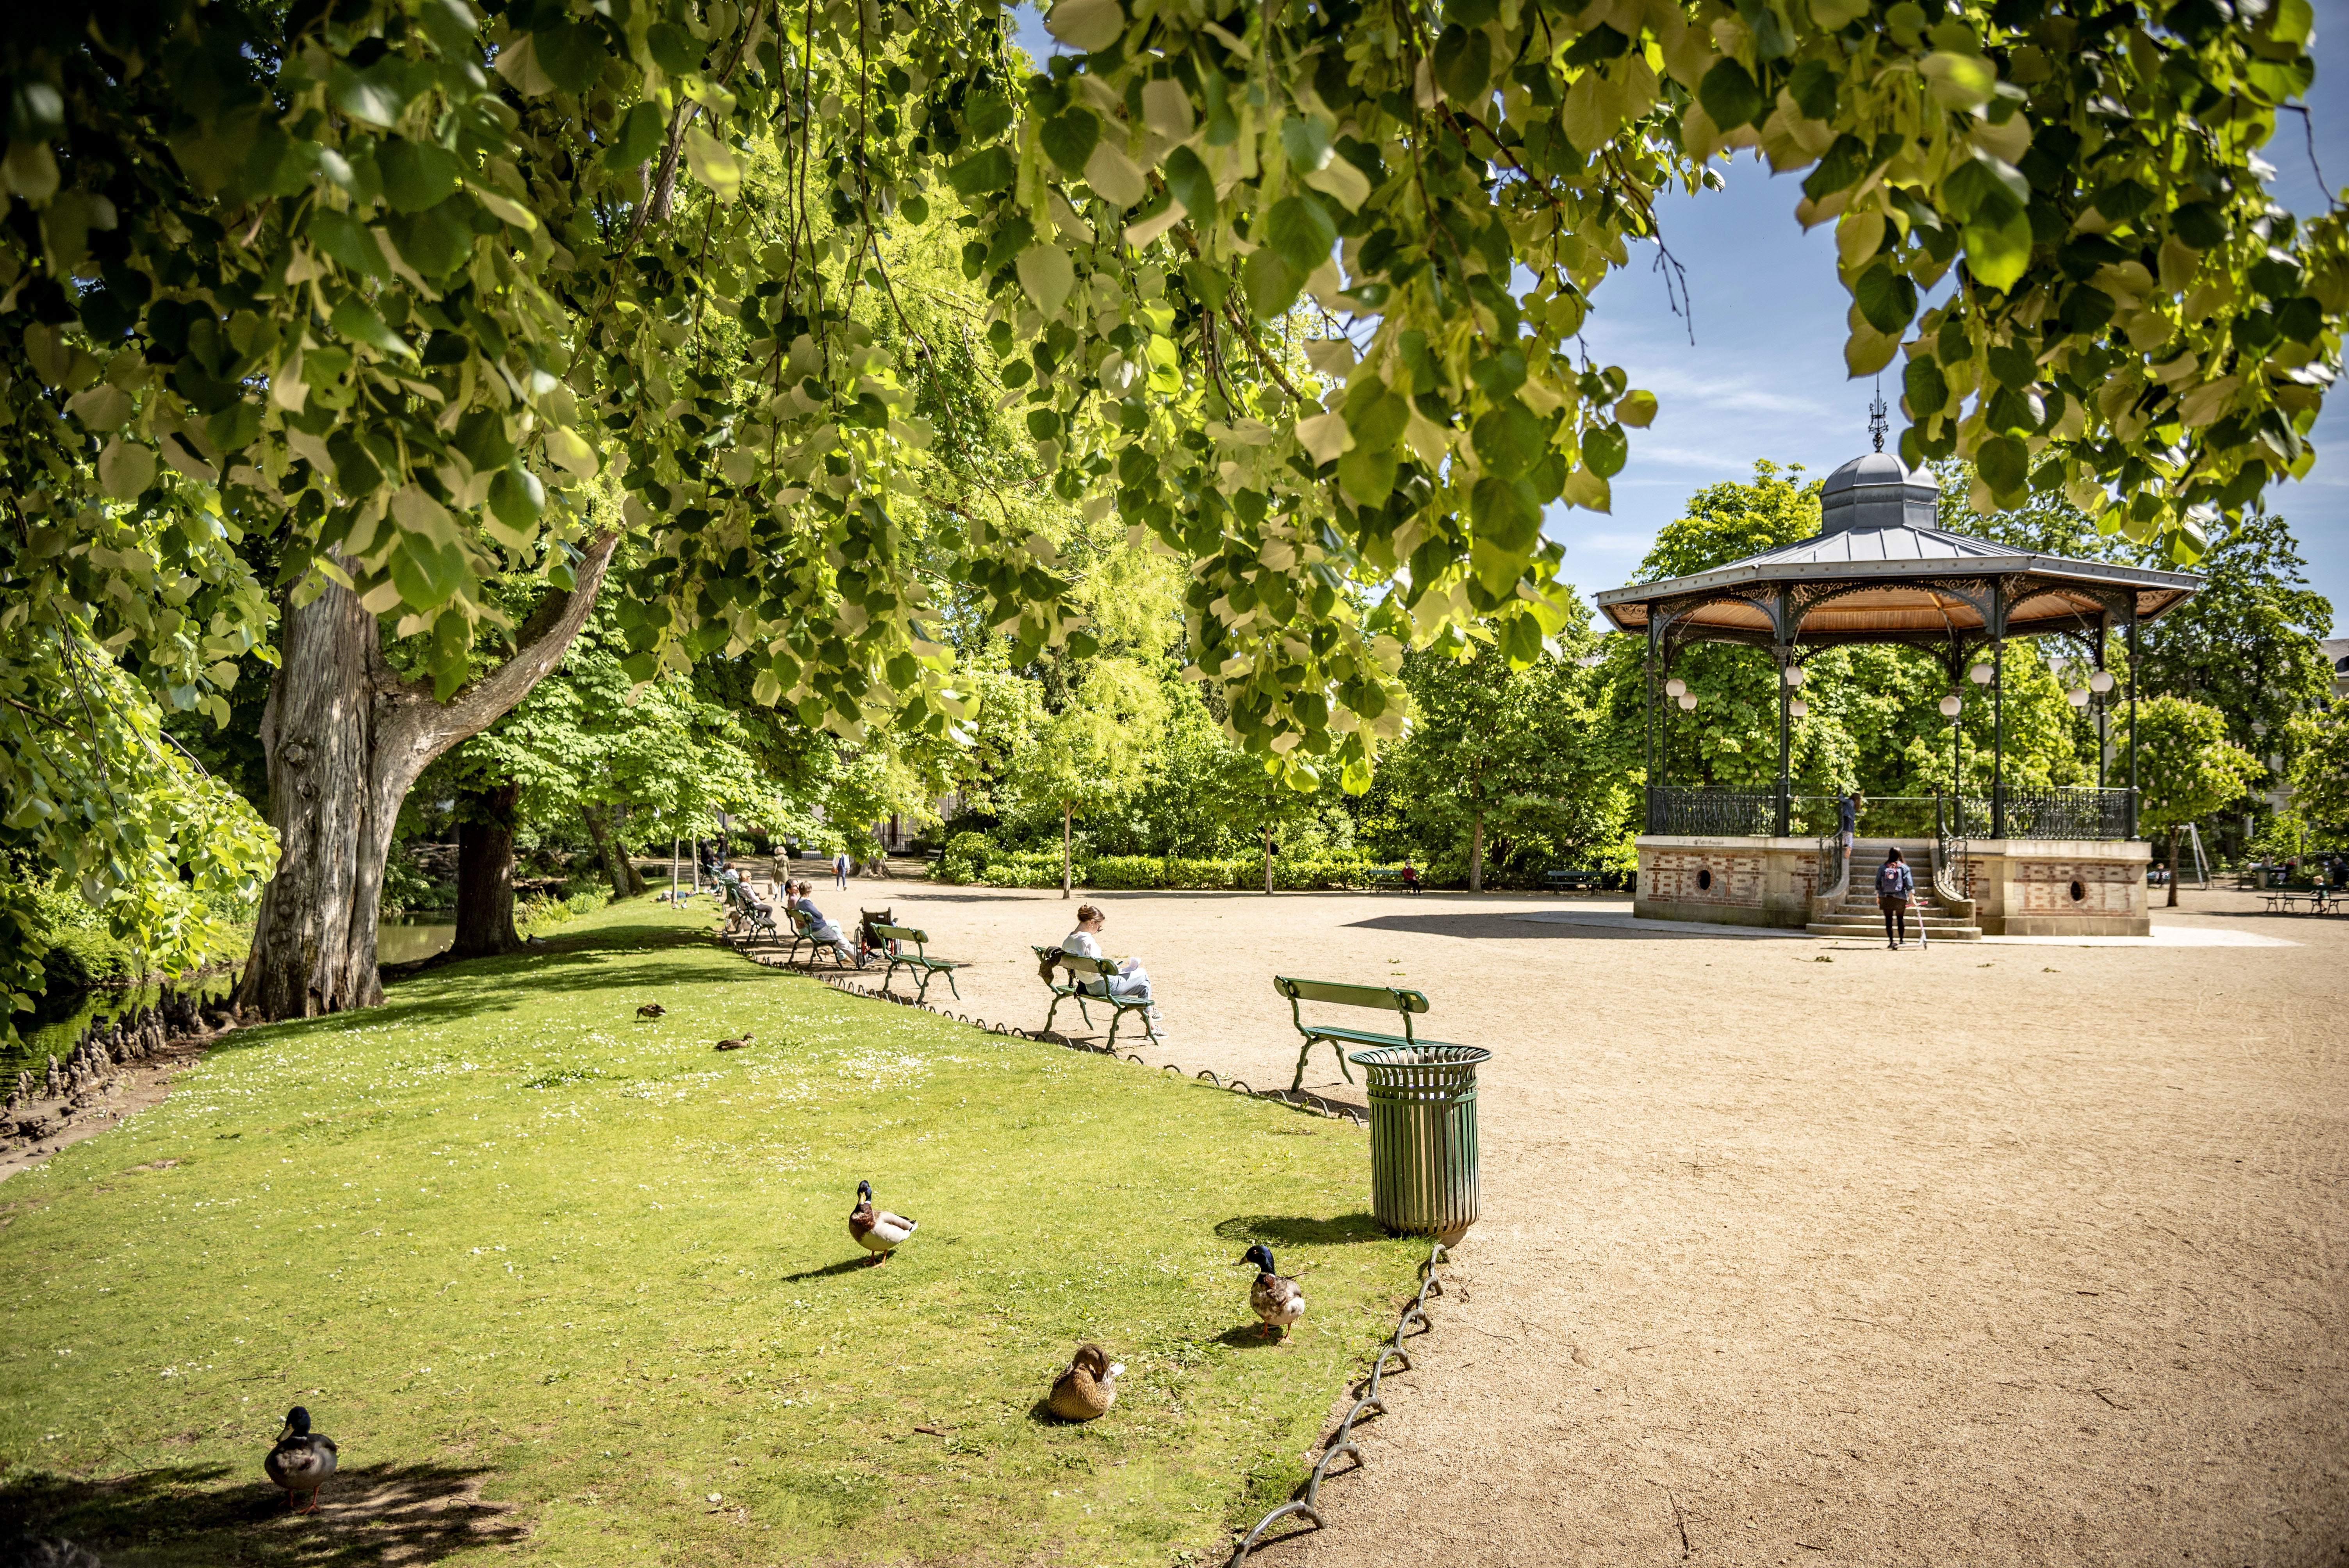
point(652, 1010)
point(1276, 1298)
point(1088, 1388)
point(877, 1230)
point(302, 1460)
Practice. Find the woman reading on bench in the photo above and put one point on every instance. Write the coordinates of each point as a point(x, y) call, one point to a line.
point(822, 931)
point(1131, 979)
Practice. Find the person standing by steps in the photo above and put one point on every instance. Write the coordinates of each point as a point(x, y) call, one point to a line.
point(840, 869)
point(1848, 819)
point(1894, 884)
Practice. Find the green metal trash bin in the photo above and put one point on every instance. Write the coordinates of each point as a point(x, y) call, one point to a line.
point(1423, 1136)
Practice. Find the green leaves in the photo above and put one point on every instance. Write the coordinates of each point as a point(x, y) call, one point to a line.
point(1509, 439)
point(989, 171)
point(1506, 514)
point(416, 174)
point(1069, 138)
point(354, 318)
point(1302, 231)
point(571, 54)
point(1192, 185)
point(637, 138)
point(1730, 96)
point(1604, 450)
point(1464, 62)
point(1885, 297)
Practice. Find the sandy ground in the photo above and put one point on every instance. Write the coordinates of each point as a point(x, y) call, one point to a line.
point(1979, 1254)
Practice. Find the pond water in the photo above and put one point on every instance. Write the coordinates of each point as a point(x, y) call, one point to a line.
point(414, 936)
point(57, 1037)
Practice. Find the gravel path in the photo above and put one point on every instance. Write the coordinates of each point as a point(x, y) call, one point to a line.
point(1979, 1254)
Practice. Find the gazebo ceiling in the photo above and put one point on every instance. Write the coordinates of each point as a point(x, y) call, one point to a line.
point(1882, 572)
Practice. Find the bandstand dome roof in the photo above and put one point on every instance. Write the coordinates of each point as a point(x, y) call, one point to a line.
point(1880, 570)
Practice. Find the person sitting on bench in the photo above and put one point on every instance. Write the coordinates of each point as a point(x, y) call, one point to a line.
point(821, 930)
point(1130, 980)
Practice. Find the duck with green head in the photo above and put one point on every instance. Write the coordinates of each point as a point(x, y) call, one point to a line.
point(877, 1230)
point(1276, 1301)
point(302, 1460)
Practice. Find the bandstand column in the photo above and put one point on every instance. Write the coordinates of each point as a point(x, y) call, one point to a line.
point(1998, 739)
point(2132, 785)
point(1785, 723)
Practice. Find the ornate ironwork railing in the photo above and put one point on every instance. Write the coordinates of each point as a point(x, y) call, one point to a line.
point(2067, 813)
point(1710, 813)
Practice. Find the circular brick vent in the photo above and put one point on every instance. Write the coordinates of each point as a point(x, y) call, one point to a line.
point(2079, 892)
point(1704, 882)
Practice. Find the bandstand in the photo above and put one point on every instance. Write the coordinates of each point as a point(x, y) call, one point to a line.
point(2022, 861)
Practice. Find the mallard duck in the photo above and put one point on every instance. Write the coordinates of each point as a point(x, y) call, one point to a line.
point(1275, 1296)
point(736, 1045)
point(652, 1010)
point(302, 1460)
point(877, 1230)
point(1088, 1388)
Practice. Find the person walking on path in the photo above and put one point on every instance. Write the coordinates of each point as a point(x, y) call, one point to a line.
point(840, 869)
point(1894, 884)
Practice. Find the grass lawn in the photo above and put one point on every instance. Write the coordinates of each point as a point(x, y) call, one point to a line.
point(514, 1247)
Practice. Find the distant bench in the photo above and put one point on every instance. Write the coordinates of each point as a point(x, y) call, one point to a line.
point(1563, 881)
point(918, 962)
point(1383, 878)
point(1337, 1036)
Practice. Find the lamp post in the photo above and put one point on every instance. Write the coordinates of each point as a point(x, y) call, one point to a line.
point(1987, 674)
point(1952, 706)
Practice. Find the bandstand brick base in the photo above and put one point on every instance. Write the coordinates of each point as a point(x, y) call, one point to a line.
point(2022, 887)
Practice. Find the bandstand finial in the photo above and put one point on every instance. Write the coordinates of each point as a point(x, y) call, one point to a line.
point(1877, 420)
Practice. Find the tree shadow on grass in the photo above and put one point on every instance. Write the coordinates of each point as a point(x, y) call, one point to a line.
point(376, 1516)
point(1294, 1230)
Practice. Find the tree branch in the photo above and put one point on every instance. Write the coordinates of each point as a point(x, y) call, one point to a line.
point(418, 730)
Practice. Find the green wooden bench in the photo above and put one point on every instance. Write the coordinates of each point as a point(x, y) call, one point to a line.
point(1382, 877)
point(1080, 969)
point(803, 930)
point(745, 916)
point(1338, 1036)
point(1564, 879)
point(916, 961)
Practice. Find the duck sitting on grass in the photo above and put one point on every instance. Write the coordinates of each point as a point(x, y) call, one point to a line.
point(1275, 1297)
point(1088, 1388)
point(302, 1460)
point(877, 1230)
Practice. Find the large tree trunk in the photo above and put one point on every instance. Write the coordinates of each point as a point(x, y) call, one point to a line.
point(1477, 853)
point(1268, 861)
point(485, 861)
point(631, 875)
point(346, 738)
point(608, 847)
point(2173, 869)
point(1068, 819)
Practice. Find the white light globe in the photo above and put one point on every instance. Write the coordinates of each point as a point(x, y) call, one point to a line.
point(1980, 674)
point(2101, 681)
point(1794, 676)
point(1950, 706)
point(1675, 687)
point(1798, 707)
point(1688, 701)
point(2079, 695)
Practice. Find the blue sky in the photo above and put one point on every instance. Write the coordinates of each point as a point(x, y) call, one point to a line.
point(1764, 377)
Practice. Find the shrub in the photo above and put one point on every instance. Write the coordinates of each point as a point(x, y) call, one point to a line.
point(535, 915)
point(967, 858)
point(1033, 868)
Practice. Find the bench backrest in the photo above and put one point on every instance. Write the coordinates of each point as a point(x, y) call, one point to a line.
point(1387, 997)
point(1075, 963)
point(903, 934)
point(803, 923)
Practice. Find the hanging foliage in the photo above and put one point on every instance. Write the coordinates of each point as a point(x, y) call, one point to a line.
point(1294, 290)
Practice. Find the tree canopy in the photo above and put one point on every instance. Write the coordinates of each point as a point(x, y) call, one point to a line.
point(1293, 291)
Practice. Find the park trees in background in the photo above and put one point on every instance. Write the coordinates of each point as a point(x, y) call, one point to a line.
point(396, 286)
point(2320, 775)
point(2187, 769)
